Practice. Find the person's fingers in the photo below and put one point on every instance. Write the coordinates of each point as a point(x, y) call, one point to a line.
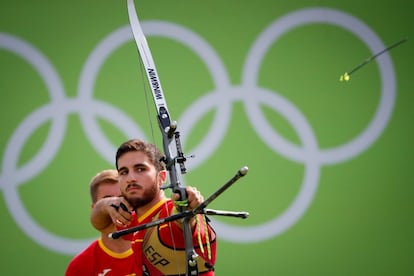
point(194, 197)
point(119, 220)
point(119, 212)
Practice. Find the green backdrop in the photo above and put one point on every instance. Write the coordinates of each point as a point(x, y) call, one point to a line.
point(255, 83)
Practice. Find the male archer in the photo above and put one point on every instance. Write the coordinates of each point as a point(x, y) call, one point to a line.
point(159, 250)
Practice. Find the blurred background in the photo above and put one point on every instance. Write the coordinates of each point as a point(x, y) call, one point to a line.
point(254, 83)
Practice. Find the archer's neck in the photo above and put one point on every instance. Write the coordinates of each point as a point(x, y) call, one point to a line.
point(144, 211)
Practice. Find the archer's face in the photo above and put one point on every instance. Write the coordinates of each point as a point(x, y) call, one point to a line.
point(139, 180)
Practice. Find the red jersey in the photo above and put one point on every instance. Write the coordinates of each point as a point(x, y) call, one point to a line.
point(160, 250)
point(98, 260)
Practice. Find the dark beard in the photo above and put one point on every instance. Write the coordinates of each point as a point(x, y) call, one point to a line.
point(138, 202)
point(148, 196)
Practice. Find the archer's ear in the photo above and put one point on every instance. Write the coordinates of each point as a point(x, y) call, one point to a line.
point(163, 176)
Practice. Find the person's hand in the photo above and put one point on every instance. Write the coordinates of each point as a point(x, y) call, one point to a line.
point(119, 210)
point(194, 197)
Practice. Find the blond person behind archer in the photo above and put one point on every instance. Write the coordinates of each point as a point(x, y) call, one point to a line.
point(104, 256)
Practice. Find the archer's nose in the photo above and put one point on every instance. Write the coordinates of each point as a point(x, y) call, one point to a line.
point(131, 178)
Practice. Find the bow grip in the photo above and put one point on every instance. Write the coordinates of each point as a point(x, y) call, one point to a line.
point(181, 203)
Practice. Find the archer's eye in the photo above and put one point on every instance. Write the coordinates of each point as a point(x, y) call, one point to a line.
point(140, 169)
point(122, 172)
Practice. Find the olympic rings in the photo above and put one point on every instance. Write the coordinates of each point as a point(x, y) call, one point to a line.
point(88, 108)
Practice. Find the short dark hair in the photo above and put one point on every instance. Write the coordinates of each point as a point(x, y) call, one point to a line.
point(153, 153)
